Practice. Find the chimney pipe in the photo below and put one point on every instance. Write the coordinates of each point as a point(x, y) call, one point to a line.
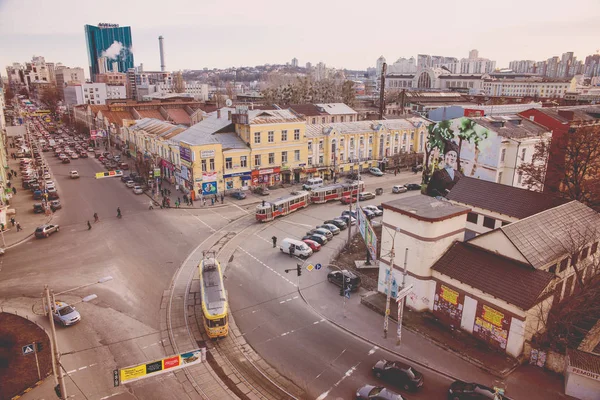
point(161, 47)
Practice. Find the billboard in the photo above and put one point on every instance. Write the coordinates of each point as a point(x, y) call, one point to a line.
point(367, 233)
point(209, 183)
point(109, 174)
point(185, 153)
point(164, 365)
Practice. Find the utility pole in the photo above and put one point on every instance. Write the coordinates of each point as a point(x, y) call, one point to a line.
point(390, 278)
point(382, 91)
point(54, 343)
point(401, 300)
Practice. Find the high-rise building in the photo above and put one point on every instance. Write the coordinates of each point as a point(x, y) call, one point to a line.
point(109, 48)
point(294, 62)
point(65, 75)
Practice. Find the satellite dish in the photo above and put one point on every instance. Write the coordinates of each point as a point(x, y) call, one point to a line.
point(228, 103)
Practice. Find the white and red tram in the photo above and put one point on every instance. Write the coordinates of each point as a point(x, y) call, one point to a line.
point(282, 206)
point(324, 194)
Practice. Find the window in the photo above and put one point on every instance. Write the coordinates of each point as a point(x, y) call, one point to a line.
point(228, 163)
point(563, 265)
point(502, 155)
point(320, 145)
point(342, 118)
point(243, 161)
point(296, 155)
point(472, 217)
point(203, 165)
point(523, 152)
point(584, 253)
point(309, 160)
point(594, 248)
point(320, 159)
point(342, 143)
point(552, 269)
point(520, 178)
point(574, 259)
point(256, 137)
point(314, 120)
point(284, 136)
point(489, 222)
point(351, 143)
point(361, 141)
point(284, 156)
point(309, 146)
point(212, 164)
point(296, 134)
point(271, 137)
point(271, 158)
point(323, 120)
point(504, 223)
point(257, 160)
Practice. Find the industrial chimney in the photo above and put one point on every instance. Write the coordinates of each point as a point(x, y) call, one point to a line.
point(161, 47)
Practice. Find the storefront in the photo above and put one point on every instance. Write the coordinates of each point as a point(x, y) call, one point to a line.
point(168, 170)
point(266, 176)
point(286, 175)
point(310, 172)
point(237, 180)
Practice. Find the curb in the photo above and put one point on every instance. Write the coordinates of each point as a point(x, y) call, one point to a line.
point(207, 207)
point(28, 237)
point(29, 389)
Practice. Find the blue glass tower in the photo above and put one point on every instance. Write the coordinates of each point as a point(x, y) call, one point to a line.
point(99, 40)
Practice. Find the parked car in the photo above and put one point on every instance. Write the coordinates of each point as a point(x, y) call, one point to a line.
point(413, 186)
point(74, 156)
point(374, 209)
point(350, 213)
point(90, 149)
point(316, 237)
point(262, 191)
point(55, 205)
point(460, 390)
point(238, 195)
point(123, 166)
point(375, 171)
point(74, 174)
point(52, 194)
point(126, 178)
point(138, 190)
point(348, 199)
point(314, 246)
point(366, 196)
point(417, 168)
point(331, 228)
point(337, 222)
point(38, 208)
point(369, 392)
point(130, 183)
point(398, 374)
point(399, 189)
point(46, 230)
point(369, 214)
point(83, 155)
point(320, 231)
point(66, 160)
point(65, 314)
point(349, 220)
point(345, 278)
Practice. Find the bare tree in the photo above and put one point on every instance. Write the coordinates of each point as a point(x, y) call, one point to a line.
point(51, 97)
point(178, 84)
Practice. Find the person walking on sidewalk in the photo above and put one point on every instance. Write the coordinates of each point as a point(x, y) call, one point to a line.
point(274, 239)
point(96, 219)
point(222, 198)
point(14, 189)
point(204, 201)
point(89, 226)
point(12, 221)
point(19, 227)
point(191, 202)
point(212, 201)
point(185, 199)
point(151, 206)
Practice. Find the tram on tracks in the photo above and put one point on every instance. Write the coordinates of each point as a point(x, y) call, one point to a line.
point(324, 194)
point(214, 299)
point(269, 210)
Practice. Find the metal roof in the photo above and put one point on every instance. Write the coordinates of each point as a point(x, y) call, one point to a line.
point(318, 130)
point(335, 108)
point(214, 129)
point(213, 290)
point(272, 116)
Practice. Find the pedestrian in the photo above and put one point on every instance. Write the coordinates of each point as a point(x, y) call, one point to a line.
point(168, 202)
point(19, 227)
point(395, 171)
point(12, 221)
point(274, 238)
point(151, 207)
point(89, 226)
point(164, 202)
point(160, 186)
point(96, 219)
point(14, 190)
point(9, 175)
point(212, 201)
point(162, 192)
point(216, 201)
point(222, 198)
point(185, 198)
point(178, 199)
point(8, 184)
point(177, 203)
point(191, 202)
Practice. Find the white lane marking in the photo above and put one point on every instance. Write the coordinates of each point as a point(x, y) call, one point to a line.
point(198, 218)
point(269, 268)
point(70, 372)
point(346, 375)
point(106, 397)
point(296, 223)
point(373, 350)
point(82, 368)
point(235, 205)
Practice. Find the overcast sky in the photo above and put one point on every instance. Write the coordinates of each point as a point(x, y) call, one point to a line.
point(350, 34)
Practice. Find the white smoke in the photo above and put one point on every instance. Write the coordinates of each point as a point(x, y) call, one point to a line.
point(113, 51)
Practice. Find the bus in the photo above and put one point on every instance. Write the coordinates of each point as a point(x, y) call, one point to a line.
point(324, 194)
point(214, 299)
point(268, 211)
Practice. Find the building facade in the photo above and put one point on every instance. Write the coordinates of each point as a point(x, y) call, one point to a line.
point(108, 43)
point(92, 93)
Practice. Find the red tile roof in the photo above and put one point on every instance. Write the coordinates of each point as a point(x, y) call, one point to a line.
point(151, 114)
point(503, 199)
point(509, 280)
point(178, 115)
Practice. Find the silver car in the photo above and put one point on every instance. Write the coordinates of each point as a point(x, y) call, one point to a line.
point(331, 228)
point(65, 314)
point(321, 231)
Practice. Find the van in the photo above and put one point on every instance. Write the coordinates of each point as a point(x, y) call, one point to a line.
point(301, 249)
point(313, 183)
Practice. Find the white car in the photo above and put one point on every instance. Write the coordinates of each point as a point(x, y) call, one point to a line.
point(74, 156)
point(138, 190)
point(74, 174)
point(65, 314)
point(130, 184)
point(374, 209)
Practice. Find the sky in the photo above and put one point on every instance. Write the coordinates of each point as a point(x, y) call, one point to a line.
point(342, 34)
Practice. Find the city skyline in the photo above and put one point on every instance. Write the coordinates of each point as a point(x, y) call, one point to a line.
point(243, 41)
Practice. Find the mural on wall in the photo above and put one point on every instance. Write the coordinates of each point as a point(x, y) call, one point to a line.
point(458, 148)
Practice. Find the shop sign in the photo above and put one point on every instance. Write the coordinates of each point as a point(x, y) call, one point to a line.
point(237, 174)
point(161, 366)
point(207, 153)
point(185, 153)
point(266, 171)
point(209, 177)
point(583, 372)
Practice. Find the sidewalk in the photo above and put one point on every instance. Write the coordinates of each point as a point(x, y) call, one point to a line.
point(22, 204)
point(359, 320)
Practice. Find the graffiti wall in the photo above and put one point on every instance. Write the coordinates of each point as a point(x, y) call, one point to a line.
point(448, 305)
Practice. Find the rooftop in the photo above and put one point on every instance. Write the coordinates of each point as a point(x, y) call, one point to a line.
point(405, 122)
point(214, 129)
point(335, 108)
point(158, 128)
point(309, 110)
point(568, 114)
point(503, 199)
point(584, 360)
point(547, 236)
point(514, 282)
point(425, 208)
point(511, 126)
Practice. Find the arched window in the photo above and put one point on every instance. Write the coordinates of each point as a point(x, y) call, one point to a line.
point(424, 81)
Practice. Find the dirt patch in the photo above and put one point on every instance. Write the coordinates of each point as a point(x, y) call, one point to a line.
point(18, 371)
point(358, 251)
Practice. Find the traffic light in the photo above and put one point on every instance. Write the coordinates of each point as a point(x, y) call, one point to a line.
point(39, 346)
point(299, 269)
point(57, 391)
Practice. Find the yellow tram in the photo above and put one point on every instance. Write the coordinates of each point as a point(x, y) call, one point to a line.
point(214, 299)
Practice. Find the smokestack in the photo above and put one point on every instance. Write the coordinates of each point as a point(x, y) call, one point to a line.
point(161, 47)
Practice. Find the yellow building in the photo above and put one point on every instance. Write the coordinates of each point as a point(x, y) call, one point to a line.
point(277, 139)
point(352, 146)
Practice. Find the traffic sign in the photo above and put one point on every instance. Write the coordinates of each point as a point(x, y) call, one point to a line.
point(310, 267)
point(318, 266)
point(28, 349)
point(403, 293)
point(116, 377)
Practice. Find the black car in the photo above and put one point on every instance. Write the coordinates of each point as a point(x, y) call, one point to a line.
point(460, 390)
point(398, 374)
point(413, 186)
point(345, 278)
point(315, 238)
point(417, 168)
point(238, 195)
point(339, 223)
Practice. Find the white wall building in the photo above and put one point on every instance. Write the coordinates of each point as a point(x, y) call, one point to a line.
point(93, 93)
point(531, 87)
point(196, 89)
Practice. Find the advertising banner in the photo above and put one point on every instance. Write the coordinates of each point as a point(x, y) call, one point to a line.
point(157, 172)
point(185, 154)
point(367, 233)
point(109, 174)
point(207, 154)
point(161, 366)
